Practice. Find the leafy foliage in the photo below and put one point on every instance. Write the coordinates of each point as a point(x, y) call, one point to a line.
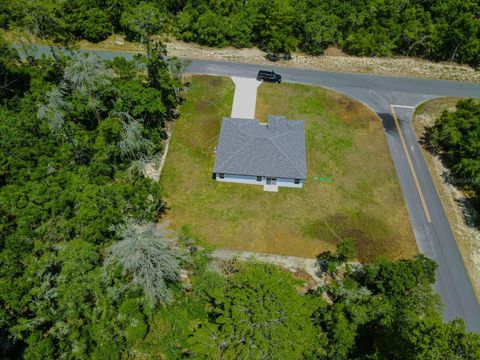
point(259, 313)
point(456, 136)
point(438, 30)
point(64, 189)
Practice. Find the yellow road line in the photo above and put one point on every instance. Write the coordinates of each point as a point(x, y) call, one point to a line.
point(410, 164)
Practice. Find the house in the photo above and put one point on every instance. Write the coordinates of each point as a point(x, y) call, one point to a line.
point(271, 154)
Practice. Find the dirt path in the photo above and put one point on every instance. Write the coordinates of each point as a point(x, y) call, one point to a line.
point(292, 263)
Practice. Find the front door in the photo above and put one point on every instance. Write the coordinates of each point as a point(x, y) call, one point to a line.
point(271, 181)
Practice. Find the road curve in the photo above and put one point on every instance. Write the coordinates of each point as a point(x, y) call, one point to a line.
point(394, 100)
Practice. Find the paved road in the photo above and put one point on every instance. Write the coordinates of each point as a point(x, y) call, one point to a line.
point(394, 100)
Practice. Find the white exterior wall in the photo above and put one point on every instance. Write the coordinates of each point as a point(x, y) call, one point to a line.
point(242, 179)
point(252, 180)
point(289, 183)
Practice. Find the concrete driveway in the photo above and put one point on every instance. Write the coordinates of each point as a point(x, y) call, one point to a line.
point(245, 97)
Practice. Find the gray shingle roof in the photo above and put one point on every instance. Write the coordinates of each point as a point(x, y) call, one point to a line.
point(247, 147)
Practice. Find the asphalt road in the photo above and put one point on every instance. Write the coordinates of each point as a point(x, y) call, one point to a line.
point(394, 100)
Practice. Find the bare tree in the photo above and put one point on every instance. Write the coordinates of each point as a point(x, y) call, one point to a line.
point(133, 144)
point(149, 256)
point(54, 112)
point(86, 73)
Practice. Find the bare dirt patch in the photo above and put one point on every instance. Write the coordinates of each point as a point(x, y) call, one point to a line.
point(453, 200)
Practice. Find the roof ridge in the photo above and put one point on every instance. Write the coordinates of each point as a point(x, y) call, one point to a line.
point(235, 153)
point(285, 155)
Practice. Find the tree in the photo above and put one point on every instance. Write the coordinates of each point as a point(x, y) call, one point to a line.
point(87, 74)
point(456, 32)
point(142, 102)
point(258, 315)
point(277, 32)
point(163, 74)
point(97, 25)
point(124, 69)
point(54, 112)
point(320, 31)
point(13, 80)
point(84, 77)
point(44, 19)
point(133, 144)
point(143, 21)
point(148, 256)
point(330, 262)
point(455, 136)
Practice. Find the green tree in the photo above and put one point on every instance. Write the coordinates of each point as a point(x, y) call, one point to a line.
point(44, 19)
point(97, 25)
point(258, 315)
point(13, 80)
point(456, 138)
point(275, 26)
point(143, 21)
point(330, 262)
point(320, 31)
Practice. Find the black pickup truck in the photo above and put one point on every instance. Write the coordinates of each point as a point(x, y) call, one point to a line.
point(270, 76)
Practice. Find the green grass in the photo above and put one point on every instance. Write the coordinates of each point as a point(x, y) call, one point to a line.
point(345, 142)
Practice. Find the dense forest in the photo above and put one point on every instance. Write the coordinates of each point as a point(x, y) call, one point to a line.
point(446, 30)
point(456, 138)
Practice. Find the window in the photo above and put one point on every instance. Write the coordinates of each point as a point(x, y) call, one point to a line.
point(259, 178)
point(222, 176)
point(297, 181)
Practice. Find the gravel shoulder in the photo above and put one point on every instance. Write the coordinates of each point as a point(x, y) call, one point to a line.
point(333, 59)
point(453, 200)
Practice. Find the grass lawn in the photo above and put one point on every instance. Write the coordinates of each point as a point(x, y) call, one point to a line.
point(345, 142)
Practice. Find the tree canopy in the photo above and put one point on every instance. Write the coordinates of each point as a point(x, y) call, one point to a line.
point(70, 131)
point(438, 30)
point(258, 315)
point(456, 137)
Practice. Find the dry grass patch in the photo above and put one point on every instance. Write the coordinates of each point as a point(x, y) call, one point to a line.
point(345, 143)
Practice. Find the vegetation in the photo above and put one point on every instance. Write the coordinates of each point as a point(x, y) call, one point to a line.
point(85, 273)
point(456, 136)
point(72, 130)
point(257, 313)
point(345, 143)
point(438, 30)
point(147, 254)
point(379, 310)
